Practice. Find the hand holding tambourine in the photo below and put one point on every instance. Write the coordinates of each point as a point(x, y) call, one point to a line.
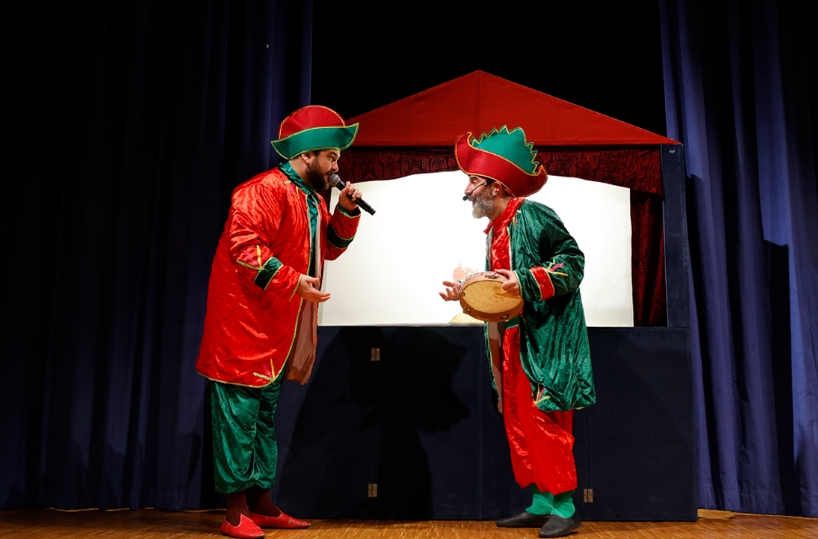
point(487, 295)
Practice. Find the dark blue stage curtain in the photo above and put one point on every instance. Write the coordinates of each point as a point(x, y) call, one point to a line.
point(126, 125)
point(741, 86)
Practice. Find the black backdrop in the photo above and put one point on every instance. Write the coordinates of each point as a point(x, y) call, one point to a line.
point(605, 56)
point(126, 126)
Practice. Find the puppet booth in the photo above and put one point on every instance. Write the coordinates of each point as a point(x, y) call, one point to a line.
point(399, 421)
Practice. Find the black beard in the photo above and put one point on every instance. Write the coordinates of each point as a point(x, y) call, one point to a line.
point(315, 178)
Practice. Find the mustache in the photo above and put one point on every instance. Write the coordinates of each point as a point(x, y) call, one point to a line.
point(470, 194)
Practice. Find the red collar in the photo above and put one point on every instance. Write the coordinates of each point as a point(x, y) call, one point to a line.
point(507, 215)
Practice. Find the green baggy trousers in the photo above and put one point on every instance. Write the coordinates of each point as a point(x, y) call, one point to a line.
point(245, 452)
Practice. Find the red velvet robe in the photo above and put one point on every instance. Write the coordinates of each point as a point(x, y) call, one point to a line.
point(255, 322)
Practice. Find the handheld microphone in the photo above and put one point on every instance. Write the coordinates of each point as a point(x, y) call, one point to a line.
point(465, 197)
point(336, 181)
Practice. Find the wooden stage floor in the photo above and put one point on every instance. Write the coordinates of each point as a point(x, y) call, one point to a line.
point(150, 524)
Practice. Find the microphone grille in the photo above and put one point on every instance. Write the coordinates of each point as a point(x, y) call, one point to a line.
point(334, 179)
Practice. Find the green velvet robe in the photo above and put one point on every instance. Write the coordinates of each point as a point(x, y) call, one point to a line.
point(549, 265)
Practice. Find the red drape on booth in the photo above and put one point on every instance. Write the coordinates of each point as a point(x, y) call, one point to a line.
point(638, 169)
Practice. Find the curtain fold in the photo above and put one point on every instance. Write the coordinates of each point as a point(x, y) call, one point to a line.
point(127, 126)
point(741, 80)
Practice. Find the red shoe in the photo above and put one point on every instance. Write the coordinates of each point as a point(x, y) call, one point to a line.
point(246, 529)
point(283, 520)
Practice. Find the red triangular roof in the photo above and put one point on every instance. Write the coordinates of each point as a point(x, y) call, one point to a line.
point(479, 102)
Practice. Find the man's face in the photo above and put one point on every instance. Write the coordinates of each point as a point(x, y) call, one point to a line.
point(320, 167)
point(482, 201)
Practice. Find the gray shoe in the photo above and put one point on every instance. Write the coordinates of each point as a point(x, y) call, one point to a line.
point(559, 527)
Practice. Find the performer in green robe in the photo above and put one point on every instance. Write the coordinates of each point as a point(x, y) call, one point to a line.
point(540, 359)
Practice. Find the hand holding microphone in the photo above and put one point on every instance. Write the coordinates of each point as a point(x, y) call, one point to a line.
point(336, 181)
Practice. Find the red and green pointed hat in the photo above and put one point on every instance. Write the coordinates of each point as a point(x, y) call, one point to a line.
point(503, 156)
point(313, 128)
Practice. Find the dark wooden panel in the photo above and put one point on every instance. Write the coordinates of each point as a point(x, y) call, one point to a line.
point(674, 218)
point(642, 453)
point(421, 423)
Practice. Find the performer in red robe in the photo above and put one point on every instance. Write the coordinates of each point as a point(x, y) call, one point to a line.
point(262, 307)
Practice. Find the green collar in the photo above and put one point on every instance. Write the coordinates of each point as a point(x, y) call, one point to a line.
point(287, 169)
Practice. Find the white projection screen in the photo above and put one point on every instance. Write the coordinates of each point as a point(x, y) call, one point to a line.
point(422, 230)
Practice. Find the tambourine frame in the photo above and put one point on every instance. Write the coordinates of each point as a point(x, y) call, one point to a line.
point(483, 312)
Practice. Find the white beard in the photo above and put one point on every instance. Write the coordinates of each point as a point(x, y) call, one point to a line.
point(483, 206)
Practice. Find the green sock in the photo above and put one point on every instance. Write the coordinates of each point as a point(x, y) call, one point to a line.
point(542, 503)
point(564, 505)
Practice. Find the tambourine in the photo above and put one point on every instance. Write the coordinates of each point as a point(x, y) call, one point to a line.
point(482, 297)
